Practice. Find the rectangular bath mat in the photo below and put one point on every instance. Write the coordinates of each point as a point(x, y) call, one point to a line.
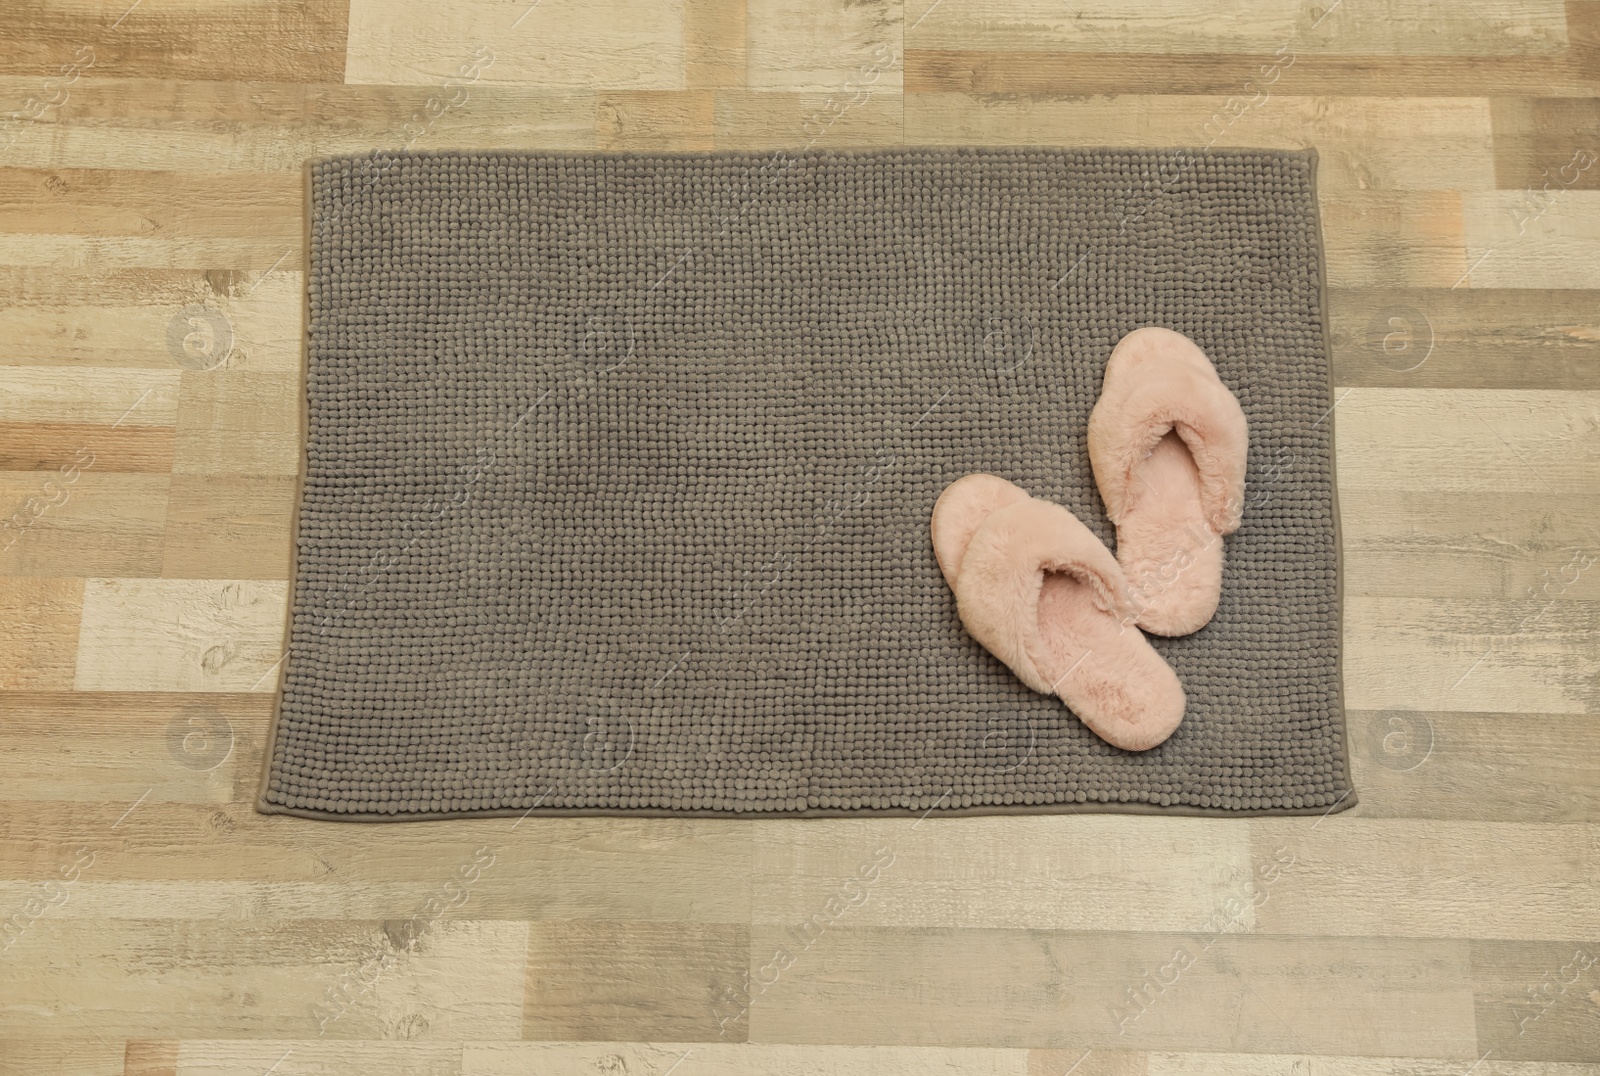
point(619, 471)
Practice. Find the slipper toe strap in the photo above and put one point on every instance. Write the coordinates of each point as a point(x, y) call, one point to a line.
point(997, 593)
point(1172, 392)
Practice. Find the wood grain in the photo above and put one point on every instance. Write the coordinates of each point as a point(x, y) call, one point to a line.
point(1409, 28)
point(197, 979)
point(1230, 992)
point(295, 41)
point(598, 979)
point(151, 282)
point(1367, 143)
point(823, 44)
point(41, 645)
point(1504, 441)
point(180, 635)
point(714, 36)
point(1048, 73)
point(1547, 143)
point(92, 397)
point(1514, 547)
point(50, 446)
point(238, 421)
point(1537, 1001)
point(228, 527)
point(993, 872)
point(728, 1059)
point(615, 47)
point(1466, 338)
point(83, 521)
point(1436, 764)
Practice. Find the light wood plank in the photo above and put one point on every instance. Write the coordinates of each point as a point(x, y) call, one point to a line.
point(1101, 1062)
point(1480, 656)
point(1468, 440)
point(238, 422)
point(316, 1057)
point(1114, 70)
point(603, 979)
point(92, 397)
point(229, 527)
point(1365, 143)
point(664, 870)
point(263, 333)
point(1439, 765)
point(625, 47)
point(52, 446)
point(1357, 877)
point(66, 1056)
point(82, 251)
point(828, 45)
point(772, 120)
point(1538, 1001)
point(1400, 239)
point(131, 203)
point(181, 635)
point(138, 747)
point(1469, 338)
point(140, 317)
point(460, 979)
point(933, 987)
point(1547, 140)
point(714, 33)
point(728, 1059)
point(1047, 872)
point(152, 124)
point(1166, 1064)
point(1523, 546)
point(643, 120)
point(283, 40)
point(1537, 238)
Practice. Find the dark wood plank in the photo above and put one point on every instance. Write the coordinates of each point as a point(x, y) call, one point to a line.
point(46, 446)
point(1537, 1000)
point(1045, 73)
point(152, 204)
point(151, 1058)
point(40, 648)
point(1546, 146)
point(249, 40)
point(636, 981)
point(1464, 338)
point(1440, 765)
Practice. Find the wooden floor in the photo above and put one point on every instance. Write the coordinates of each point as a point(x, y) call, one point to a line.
point(151, 269)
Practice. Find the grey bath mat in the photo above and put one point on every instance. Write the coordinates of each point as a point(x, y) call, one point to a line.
point(619, 470)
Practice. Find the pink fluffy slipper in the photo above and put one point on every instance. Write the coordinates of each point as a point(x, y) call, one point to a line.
point(1167, 441)
point(1045, 596)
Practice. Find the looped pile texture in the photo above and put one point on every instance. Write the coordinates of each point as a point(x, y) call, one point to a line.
point(619, 471)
